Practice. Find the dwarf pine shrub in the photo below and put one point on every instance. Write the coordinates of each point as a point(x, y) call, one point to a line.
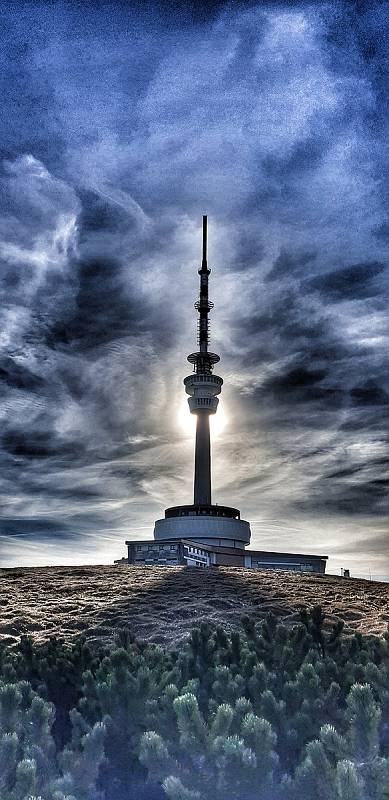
point(264, 713)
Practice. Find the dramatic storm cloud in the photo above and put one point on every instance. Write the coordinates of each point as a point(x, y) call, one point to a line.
point(121, 125)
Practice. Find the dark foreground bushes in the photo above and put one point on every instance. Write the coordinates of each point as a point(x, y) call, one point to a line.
point(268, 713)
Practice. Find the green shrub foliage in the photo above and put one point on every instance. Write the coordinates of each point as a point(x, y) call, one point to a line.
point(265, 713)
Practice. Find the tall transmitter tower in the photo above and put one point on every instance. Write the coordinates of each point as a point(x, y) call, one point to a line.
point(202, 521)
point(203, 387)
point(203, 534)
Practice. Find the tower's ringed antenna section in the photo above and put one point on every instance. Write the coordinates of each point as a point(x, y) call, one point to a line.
point(195, 358)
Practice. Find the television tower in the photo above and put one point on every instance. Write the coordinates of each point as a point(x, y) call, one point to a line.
point(204, 534)
point(217, 525)
point(203, 387)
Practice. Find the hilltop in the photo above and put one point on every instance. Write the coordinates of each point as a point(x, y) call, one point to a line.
point(162, 604)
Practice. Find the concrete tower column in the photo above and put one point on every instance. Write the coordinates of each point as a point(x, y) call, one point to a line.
point(202, 473)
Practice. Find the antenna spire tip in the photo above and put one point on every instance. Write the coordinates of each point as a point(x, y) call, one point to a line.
point(205, 221)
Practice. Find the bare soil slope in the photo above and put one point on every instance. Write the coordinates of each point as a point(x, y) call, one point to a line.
point(162, 604)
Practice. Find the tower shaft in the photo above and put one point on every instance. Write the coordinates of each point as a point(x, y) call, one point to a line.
point(202, 473)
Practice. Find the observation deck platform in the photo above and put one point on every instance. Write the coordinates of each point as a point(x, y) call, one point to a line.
point(219, 526)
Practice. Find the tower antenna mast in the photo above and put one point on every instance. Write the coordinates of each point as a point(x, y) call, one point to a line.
point(203, 387)
point(205, 227)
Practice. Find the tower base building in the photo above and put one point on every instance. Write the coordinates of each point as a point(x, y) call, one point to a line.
point(191, 553)
point(205, 534)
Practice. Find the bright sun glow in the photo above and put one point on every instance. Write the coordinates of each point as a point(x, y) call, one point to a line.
point(187, 420)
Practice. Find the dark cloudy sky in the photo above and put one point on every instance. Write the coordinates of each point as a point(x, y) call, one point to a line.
point(120, 126)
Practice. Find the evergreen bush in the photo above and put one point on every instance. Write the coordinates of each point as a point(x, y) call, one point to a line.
point(265, 713)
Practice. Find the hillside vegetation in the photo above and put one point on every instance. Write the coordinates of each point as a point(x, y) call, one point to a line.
point(162, 604)
point(268, 712)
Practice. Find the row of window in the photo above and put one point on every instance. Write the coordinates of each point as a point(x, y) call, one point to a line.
point(196, 550)
point(208, 513)
point(150, 548)
point(208, 378)
point(281, 565)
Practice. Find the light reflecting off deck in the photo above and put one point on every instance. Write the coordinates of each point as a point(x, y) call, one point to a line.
point(187, 421)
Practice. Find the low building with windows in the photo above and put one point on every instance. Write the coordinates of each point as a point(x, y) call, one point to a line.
point(186, 552)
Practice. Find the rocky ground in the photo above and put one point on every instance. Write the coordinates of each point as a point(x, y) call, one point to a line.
point(161, 604)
